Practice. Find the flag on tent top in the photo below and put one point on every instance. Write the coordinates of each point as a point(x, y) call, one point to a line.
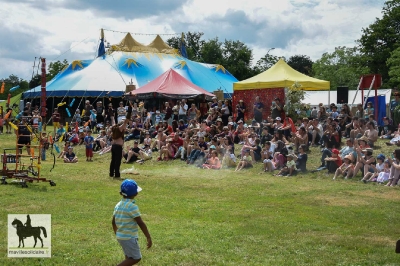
point(102, 49)
point(182, 47)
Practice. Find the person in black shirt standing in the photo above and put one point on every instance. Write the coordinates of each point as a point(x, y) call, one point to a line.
point(258, 109)
point(24, 135)
point(276, 108)
point(99, 112)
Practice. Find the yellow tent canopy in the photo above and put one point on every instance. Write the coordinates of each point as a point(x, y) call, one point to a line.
point(281, 75)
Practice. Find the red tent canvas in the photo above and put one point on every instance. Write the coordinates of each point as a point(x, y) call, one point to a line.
point(170, 85)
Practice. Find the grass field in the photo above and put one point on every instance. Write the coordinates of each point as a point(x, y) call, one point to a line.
point(208, 217)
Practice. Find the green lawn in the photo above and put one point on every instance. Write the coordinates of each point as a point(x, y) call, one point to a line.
point(208, 217)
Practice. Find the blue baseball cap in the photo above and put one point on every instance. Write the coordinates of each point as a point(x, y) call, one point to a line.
point(129, 188)
point(380, 157)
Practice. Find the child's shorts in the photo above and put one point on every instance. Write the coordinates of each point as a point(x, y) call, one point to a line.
point(131, 248)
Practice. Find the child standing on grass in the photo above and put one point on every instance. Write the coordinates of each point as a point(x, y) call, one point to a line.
point(44, 142)
point(125, 223)
point(88, 140)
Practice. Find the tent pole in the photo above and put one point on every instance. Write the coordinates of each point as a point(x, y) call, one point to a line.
point(329, 96)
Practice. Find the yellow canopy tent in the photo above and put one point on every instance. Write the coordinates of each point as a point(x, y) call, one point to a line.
point(281, 75)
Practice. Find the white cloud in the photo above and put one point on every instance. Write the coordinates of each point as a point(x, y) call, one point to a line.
point(71, 29)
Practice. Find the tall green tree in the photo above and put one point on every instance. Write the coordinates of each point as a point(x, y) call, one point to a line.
point(237, 59)
point(13, 81)
point(380, 38)
point(394, 68)
point(211, 52)
point(54, 68)
point(35, 81)
point(194, 43)
point(343, 67)
point(301, 63)
point(265, 63)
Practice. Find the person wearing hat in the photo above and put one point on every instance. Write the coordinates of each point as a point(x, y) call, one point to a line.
point(365, 161)
point(167, 151)
point(362, 143)
point(258, 108)
point(240, 111)
point(346, 169)
point(70, 157)
point(126, 222)
point(276, 108)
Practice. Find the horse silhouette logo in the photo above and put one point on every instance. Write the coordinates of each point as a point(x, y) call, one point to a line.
point(36, 226)
point(24, 231)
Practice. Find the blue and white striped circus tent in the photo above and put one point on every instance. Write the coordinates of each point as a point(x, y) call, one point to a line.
point(131, 62)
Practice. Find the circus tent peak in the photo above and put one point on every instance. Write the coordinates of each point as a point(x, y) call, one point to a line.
point(129, 44)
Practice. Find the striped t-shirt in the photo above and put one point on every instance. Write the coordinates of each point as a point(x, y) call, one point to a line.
point(125, 213)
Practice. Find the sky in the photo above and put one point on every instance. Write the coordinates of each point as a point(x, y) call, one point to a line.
point(60, 29)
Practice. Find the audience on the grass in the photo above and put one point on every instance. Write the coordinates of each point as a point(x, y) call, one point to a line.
point(208, 140)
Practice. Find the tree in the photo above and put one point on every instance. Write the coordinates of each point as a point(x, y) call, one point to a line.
point(343, 67)
point(382, 37)
point(237, 59)
point(294, 107)
point(211, 51)
point(54, 68)
point(265, 63)
point(35, 81)
point(13, 81)
point(394, 68)
point(301, 63)
point(194, 44)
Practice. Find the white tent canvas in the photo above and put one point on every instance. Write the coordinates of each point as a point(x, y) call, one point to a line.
point(315, 97)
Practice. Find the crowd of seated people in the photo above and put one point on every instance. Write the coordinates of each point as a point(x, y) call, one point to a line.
point(214, 139)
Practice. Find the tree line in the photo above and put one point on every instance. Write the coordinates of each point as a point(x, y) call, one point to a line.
point(376, 52)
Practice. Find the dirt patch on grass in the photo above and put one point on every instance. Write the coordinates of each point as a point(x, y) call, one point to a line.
point(340, 200)
point(386, 193)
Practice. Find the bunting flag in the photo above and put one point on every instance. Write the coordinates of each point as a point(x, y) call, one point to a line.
point(182, 47)
point(2, 88)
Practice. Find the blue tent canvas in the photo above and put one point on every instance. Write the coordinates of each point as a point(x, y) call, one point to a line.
point(132, 62)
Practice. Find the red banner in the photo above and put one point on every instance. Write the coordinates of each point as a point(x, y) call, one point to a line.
point(249, 96)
